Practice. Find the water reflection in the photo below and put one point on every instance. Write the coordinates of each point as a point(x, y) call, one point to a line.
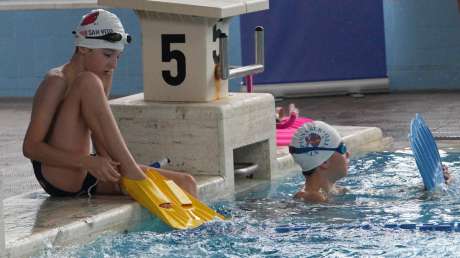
point(385, 188)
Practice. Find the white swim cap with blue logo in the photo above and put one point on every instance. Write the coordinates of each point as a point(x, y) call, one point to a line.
point(314, 134)
point(95, 28)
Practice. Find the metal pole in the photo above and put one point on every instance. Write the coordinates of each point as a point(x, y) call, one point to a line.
point(223, 55)
point(226, 73)
point(259, 45)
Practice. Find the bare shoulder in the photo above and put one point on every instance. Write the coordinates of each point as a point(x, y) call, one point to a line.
point(54, 76)
point(312, 197)
point(53, 84)
point(55, 72)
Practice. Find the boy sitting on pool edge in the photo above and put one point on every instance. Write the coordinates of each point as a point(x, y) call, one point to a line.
point(71, 113)
point(319, 150)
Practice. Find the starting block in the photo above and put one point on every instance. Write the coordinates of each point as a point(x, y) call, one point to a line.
point(186, 112)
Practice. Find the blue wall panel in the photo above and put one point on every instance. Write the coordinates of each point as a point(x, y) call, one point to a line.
point(423, 44)
point(311, 40)
point(32, 42)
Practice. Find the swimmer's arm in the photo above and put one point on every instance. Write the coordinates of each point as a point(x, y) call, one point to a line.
point(45, 104)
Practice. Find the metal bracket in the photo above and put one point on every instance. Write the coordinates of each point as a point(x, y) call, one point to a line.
point(225, 72)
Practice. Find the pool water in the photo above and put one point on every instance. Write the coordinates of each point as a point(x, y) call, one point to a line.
point(385, 188)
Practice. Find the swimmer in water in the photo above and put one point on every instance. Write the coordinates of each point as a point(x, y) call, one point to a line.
point(319, 150)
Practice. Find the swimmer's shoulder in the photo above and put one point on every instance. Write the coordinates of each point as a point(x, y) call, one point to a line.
point(313, 197)
point(56, 76)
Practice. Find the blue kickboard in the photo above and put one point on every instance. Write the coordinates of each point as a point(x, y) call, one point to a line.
point(426, 154)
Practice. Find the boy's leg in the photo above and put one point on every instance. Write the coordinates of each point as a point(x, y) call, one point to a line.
point(185, 181)
point(69, 132)
point(98, 116)
point(87, 107)
point(108, 188)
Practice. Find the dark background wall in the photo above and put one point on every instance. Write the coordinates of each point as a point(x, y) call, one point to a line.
point(311, 40)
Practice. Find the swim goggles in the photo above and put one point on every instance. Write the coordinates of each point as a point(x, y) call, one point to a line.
point(112, 37)
point(342, 149)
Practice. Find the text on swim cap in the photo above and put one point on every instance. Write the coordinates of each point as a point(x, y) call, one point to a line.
point(98, 32)
point(315, 137)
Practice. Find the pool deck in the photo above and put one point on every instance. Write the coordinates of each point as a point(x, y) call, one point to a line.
point(34, 222)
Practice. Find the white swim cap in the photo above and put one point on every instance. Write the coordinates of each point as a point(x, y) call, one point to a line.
point(316, 134)
point(101, 29)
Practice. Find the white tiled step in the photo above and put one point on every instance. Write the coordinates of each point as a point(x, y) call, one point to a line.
point(202, 8)
point(46, 4)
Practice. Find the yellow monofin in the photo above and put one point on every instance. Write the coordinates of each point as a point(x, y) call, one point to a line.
point(168, 201)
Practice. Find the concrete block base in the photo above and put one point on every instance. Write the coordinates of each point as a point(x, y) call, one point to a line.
point(204, 139)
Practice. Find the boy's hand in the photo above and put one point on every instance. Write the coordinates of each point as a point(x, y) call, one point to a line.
point(103, 168)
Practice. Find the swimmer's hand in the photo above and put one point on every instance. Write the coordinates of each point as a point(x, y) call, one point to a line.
point(103, 168)
point(447, 176)
point(341, 190)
